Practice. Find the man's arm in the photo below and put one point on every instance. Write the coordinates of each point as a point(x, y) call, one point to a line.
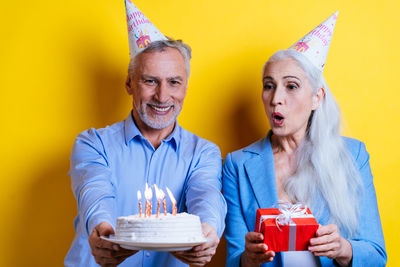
point(203, 189)
point(204, 198)
point(91, 181)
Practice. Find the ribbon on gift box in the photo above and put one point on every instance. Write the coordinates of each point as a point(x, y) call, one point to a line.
point(288, 211)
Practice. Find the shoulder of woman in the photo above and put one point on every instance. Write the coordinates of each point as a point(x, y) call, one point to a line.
point(357, 149)
point(249, 151)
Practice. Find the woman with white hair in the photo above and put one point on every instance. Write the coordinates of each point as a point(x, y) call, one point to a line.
point(303, 159)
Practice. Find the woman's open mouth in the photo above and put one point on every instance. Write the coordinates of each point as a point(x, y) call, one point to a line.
point(277, 118)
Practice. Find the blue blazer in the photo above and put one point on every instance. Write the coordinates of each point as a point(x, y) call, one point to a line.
point(249, 184)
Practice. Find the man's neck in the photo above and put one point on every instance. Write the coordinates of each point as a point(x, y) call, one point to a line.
point(154, 136)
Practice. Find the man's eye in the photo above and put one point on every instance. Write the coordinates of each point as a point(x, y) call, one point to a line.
point(173, 82)
point(149, 81)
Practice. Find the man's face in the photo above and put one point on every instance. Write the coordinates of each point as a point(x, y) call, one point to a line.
point(158, 88)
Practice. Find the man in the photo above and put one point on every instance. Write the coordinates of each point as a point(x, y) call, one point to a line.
point(108, 166)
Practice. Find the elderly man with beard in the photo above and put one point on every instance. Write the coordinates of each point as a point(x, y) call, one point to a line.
point(109, 165)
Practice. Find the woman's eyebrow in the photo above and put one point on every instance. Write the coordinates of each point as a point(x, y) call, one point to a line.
point(268, 78)
point(290, 76)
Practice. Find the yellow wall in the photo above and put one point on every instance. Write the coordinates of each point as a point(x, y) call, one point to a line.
point(63, 66)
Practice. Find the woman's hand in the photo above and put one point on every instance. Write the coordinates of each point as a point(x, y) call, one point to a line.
point(329, 243)
point(256, 252)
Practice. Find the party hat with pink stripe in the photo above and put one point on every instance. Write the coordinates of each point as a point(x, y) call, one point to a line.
point(141, 32)
point(315, 45)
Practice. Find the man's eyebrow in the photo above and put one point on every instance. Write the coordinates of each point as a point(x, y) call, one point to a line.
point(291, 76)
point(145, 77)
point(179, 78)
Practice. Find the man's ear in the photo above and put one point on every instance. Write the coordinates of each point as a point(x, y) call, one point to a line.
point(317, 98)
point(128, 85)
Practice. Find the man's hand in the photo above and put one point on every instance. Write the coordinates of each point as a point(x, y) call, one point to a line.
point(331, 244)
point(105, 252)
point(200, 255)
point(256, 252)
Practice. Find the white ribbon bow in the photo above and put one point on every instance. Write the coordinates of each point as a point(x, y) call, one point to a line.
point(289, 211)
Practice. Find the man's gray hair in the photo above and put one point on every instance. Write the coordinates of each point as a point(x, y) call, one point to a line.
point(161, 45)
point(326, 174)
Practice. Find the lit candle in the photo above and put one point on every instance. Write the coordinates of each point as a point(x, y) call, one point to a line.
point(158, 200)
point(164, 201)
point(173, 201)
point(139, 196)
point(148, 194)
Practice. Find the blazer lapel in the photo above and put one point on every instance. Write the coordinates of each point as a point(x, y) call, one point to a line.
point(261, 175)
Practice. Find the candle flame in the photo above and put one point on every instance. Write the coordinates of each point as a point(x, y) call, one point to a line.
point(157, 191)
point(148, 193)
point(139, 195)
point(171, 197)
point(162, 194)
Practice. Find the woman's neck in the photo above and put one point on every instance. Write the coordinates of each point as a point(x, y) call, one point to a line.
point(286, 144)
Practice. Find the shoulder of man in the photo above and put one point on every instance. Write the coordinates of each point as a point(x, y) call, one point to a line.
point(108, 131)
point(196, 141)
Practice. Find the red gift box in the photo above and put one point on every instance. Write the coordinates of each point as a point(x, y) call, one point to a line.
point(286, 229)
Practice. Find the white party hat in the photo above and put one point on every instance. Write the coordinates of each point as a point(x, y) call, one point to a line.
point(141, 32)
point(315, 45)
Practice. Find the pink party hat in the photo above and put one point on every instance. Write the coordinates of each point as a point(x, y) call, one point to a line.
point(315, 45)
point(141, 32)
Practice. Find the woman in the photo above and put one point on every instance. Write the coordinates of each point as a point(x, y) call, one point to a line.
point(303, 159)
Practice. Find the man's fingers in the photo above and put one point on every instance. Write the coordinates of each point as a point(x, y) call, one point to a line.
point(193, 254)
point(198, 261)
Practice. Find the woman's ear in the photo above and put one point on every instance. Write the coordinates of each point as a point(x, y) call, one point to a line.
point(317, 98)
point(128, 85)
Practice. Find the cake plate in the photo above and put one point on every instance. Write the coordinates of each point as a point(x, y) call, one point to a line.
point(170, 246)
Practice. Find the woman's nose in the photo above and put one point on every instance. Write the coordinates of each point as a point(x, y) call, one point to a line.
point(278, 96)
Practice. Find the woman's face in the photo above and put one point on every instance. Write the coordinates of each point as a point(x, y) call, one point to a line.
point(288, 98)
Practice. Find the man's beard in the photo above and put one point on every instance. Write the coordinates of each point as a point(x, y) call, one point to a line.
point(157, 122)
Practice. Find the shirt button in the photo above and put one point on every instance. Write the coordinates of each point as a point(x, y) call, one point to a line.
point(147, 254)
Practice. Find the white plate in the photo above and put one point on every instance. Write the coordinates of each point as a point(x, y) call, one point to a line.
point(153, 246)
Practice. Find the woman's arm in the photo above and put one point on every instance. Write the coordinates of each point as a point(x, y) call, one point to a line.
point(236, 228)
point(244, 248)
point(367, 248)
point(368, 245)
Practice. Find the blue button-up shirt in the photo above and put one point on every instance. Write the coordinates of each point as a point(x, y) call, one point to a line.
point(108, 167)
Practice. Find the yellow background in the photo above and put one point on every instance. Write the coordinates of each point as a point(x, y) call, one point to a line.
point(62, 70)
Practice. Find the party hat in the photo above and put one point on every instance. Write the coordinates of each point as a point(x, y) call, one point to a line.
point(315, 45)
point(141, 32)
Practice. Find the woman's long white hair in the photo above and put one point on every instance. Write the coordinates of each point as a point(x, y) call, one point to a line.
point(326, 174)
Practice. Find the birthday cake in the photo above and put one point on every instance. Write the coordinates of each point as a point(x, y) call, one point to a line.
point(179, 228)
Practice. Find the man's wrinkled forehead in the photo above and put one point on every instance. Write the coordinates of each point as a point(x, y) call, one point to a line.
point(167, 62)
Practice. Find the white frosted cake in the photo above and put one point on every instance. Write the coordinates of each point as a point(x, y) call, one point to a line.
point(180, 228)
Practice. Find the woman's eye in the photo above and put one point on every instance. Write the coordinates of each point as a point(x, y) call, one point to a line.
point(268, 86)
point(292, 86)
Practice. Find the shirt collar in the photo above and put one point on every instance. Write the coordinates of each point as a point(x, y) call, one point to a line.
point(132, 131)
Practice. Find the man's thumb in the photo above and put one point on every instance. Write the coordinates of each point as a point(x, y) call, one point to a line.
point(105, 229)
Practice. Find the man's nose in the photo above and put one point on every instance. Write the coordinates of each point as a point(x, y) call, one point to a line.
point(162, 93)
